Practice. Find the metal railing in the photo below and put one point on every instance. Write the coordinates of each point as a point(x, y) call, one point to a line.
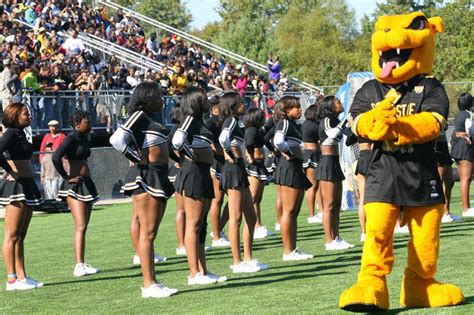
point(208, 45)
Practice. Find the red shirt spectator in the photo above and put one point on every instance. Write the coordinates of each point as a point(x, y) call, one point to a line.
point(54, 136)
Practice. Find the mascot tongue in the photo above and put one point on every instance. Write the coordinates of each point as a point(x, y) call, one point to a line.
point(387, 69)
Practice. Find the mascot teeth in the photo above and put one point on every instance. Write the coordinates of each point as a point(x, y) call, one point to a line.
point(397, 65)
point(398, 52)
point(380, 53)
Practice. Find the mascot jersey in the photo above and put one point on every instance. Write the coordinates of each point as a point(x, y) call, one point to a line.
point(404, 175)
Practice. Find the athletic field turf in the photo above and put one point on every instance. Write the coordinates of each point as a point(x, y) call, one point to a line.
point(311, 286)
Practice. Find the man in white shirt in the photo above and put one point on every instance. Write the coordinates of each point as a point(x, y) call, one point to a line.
point(74, 46)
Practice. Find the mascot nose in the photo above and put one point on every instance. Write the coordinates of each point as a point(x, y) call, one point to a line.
point(386, 30)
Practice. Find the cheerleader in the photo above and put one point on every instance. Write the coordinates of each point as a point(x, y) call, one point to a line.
point(311, 154)
point(18, 194)
point(289, 175)
point(217, 222)
point(142, 141)
point(329, 171)
point(365, 154)
point(462, 149)
point(173, 171)
point(445, 171)
point(258, 174)
point(77, 189)
point(234, 181)
point(193, 142)
point(271, 162)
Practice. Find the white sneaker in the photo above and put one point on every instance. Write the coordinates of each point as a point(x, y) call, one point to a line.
point(261, 232)
point(277, 226)
point(207, 249)
point(19, 285)
point(468, 213)
point(222, 242)
point(181, 251)
point(83, 269)
point(32, 281)
point(245, 267)
point(343, 243)
point(448, 218)
point(221, 235)
point(401, 230)
point(315, 219)
point(296, 255)
point(362, 237)
point(157, 259)
point(157, 290)
point(219, 279)
point(261, 265)
point(199, 278)
point(334, 245)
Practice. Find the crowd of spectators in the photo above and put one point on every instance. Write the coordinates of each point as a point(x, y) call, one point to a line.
point(49, 57)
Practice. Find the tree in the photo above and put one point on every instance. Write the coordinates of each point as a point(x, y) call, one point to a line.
point(319, 45)
point(170, 12)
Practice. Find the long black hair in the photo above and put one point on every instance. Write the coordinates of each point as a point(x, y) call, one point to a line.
point(194, 103)
point(283, 105)
point(465, 101)
point(254, 117)
point(145, 97)
point(228, 104)
point(311, 113)
point(326, 107)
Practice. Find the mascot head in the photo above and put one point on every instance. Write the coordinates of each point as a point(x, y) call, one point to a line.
point(403, 46)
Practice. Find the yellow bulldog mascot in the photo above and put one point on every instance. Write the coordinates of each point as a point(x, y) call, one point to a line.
point(403, 110)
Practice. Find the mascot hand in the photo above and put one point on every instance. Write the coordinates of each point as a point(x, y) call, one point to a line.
point(374, 124)
point(419, 128)
point(383, 131)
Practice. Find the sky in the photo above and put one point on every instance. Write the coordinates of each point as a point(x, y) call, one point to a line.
point(203, 11)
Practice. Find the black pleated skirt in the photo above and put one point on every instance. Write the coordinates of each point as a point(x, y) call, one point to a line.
point(216, 166)
point(172, 173)
point(461, 150)
point(311, 158)
point(329, 169)
point(22, 189)
point(83, 191)
point(271, 162)
point(259, 170)
point(152, 179)
point(363, 162)
point(194, 180)
point(442, 153)
point(290, 173)
point(234, 175)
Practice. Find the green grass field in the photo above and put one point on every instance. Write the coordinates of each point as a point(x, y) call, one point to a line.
point(311, 286)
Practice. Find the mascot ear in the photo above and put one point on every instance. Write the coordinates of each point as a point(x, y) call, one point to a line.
point(436, 24)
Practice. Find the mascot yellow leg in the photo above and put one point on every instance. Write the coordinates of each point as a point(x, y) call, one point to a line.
point(419, 288)
point(370, 293)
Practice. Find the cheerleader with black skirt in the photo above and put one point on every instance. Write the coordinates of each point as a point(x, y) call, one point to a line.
point(173, 171)
point(234, 181)
point(329, 171)
point(462, 148)
point(18, 194)
point(445, 171)
point(311, 155)
point(193, 142)
point(271, 162)
point(365, 155)
point(143, 142)
point(289, 175)
point(77, 189)
point(217, 222)
point(258, 174)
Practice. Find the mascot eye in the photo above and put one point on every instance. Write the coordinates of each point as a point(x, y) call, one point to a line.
point(418, 23)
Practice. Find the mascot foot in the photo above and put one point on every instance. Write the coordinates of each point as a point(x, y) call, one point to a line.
point(429, 293)
point(367, 296)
